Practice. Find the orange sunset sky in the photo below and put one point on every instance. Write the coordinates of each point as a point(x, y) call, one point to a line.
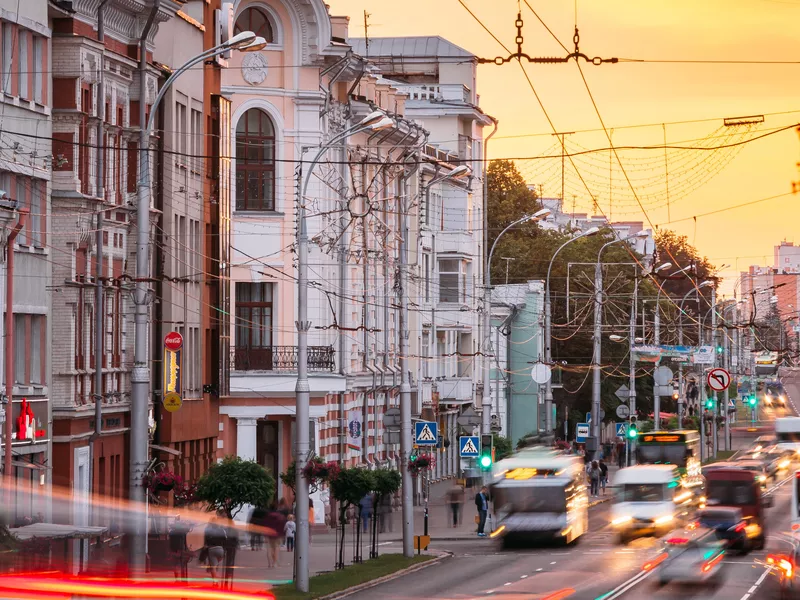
point(646, 93)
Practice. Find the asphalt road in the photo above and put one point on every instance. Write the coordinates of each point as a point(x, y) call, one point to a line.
point(596, 568)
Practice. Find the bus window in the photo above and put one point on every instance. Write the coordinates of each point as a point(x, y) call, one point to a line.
point(731, 493)
point(674, 454)
point(520, 499)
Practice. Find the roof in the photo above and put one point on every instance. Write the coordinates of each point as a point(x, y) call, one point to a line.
point(432, 46)
point(54, 531)
point(513, 294)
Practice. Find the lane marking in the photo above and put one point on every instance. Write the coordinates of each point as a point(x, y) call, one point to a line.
point(552, 563)
point(625, 586)
point(758, 582)
point(537, 570)
point(523, 576)
point(560, 594)
point(508, 583)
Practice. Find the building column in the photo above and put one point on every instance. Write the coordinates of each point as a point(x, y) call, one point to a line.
point(246, 437)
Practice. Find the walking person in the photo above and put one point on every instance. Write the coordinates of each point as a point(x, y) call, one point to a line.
point(594, 477)
point(179, 548)
point(256, 525)
point(289, 530)
point(366, 511)
point(231, 546)
point(214, 540)
point(275, 525)
point(455, 498)
point(482, 504)
point(603, 475)
point(385, 513)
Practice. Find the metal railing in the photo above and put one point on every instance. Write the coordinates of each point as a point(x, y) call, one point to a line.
point(281, 359)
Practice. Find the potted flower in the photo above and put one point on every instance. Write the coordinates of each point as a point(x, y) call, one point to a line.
point(163, 481)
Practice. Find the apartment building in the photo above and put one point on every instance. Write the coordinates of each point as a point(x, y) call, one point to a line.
point(25, 167)
point(97, 94)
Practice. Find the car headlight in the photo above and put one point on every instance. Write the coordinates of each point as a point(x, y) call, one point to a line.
point(762, 477)
point(621, 520)
point(784, 464)
point(664, 519)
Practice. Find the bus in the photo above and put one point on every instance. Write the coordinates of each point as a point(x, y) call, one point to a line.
point(679, 448)
point(787, 433)
point(539, 495)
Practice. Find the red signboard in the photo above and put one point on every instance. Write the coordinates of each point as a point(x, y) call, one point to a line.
point(173, 341)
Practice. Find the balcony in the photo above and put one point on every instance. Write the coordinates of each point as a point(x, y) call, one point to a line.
point(282, 359)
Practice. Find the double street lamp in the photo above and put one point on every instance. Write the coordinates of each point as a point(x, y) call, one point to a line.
point(548, 337)
point(597, 340)
point(487, 318)
point(246, 41)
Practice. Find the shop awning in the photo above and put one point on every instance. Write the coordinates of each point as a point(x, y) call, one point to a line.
point(55, 531)
point(26, 464)
point(166, 449)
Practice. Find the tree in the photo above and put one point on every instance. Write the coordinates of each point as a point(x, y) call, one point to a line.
point(348, 488)
point(502, 446)
point(234, 483)
point(385, 483)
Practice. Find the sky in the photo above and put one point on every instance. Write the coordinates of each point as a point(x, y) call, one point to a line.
point(675, 191)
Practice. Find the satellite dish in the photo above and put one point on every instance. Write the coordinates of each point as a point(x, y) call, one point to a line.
point(541, 373)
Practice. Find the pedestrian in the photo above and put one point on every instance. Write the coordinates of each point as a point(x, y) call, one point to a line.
point(594, 477)
point(256, 525)
point(455, 498)
point(482, 504)
point(275, 528)
point(603, 475)
point(310, 518)
point(621, 455)
point(214, 540)
point(289, 529)
point(366, 510)
point(285, 509)
point(179, 548)
point(385, 513)
point(231, 546)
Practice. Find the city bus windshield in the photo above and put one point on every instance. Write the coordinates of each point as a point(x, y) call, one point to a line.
point(730, 493)
point(649, 492)
point(650, 454)
point(788, 436)
point(536, 499)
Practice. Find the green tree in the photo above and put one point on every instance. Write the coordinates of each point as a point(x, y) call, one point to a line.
point(233, 483)
point(502, 446)
point(385, 482)
point(348, 488)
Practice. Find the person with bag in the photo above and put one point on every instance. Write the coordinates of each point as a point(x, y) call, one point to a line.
point(603, 475)
point(482, 504)
point(594, 477)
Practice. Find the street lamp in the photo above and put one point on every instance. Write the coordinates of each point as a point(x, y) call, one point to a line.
point(621, 338)
point(374, 121)
point(598, 320)
point(548, 338)
point(486, 408)
point(140, 374)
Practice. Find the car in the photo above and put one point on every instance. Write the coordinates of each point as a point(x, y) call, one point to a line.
point(763, 442)
point(729, 525)
point(691, 555)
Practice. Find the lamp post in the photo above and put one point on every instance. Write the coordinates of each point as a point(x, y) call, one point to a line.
point(487, 318)
point(374, 121)
point(598, 321)
point(140, 374)
point(548, 338)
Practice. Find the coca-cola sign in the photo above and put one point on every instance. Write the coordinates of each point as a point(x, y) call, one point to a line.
point(173, 341)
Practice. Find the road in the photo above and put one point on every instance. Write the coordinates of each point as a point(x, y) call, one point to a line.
point(596, 568)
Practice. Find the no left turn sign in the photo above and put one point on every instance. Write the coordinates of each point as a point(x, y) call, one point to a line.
point(718, 380)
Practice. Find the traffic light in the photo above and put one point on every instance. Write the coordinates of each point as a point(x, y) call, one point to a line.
point(632, 432)
point(752, 400)
point(486, 457)
point(709, 403)
point(414, 455)
point(719, 349)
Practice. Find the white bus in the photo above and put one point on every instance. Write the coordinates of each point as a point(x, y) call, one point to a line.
point(540, 494)
point(787, 433)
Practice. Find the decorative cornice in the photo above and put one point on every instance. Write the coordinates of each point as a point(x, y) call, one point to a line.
point(125, 19)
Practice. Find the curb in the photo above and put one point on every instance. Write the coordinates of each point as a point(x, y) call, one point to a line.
point(376, 582)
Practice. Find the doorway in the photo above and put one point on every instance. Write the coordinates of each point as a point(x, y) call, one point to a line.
point(267, 448)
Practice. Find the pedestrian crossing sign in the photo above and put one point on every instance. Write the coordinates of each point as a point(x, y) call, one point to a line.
point(425, 433)
point(469, 446)
point(622, 429)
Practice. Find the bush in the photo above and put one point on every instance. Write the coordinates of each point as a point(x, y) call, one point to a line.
point(233, 483)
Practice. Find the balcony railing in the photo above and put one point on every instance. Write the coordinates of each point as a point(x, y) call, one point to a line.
point(282, 359)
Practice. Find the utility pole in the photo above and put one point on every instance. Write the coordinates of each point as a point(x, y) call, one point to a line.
point(366, 32)
point(713, 337)
point(561, 139)
point(632, 360)
point(405, 384)
point(140, 374)
point(508, 261)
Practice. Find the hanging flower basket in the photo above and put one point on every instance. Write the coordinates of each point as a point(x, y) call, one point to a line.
point(163, 481)
point(317, 471)
point(423, 462)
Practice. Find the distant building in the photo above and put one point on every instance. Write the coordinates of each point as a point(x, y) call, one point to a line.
point(787, 258)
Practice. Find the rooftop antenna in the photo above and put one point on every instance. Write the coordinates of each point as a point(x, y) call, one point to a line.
point(366, 32)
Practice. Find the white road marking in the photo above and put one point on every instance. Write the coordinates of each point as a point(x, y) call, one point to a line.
point(523, 576)
point(757, 583)
point(385, 543)
point(552, 563)
point(624, 587)
point(509, 583)
point(537, 570)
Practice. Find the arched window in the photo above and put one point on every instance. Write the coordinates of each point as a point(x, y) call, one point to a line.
point(255, 161)
point(255, 19)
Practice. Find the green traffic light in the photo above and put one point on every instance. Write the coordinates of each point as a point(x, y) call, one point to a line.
point(486, 461)
point(719, 349)
point(632, 432)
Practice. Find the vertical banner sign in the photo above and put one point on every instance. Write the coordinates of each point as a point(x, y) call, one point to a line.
point(173, 363)
point(354, 430)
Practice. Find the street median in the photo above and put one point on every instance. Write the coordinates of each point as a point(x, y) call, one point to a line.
point(358, 577)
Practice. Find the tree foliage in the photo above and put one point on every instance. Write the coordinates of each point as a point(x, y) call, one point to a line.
point(533, 247)
point(502, 446)
point(233, 483)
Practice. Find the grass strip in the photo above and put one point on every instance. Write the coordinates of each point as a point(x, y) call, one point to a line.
point(352, 575)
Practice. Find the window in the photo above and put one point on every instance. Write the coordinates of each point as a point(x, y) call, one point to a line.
point(649, 492)
point(256, 20)
point(197, 140)
point(255, 161)
point(28, 345)
point(253, 326)
point(180, 132)
point(8, 56)
point(36, 218)
point(452, 280)
point(22, 200)
point(22, 61)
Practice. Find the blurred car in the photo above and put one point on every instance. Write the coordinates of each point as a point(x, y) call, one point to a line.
point(690, 555)
point(775, 395)
point(763, 442)
point(756, 466)
point(729, 525)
